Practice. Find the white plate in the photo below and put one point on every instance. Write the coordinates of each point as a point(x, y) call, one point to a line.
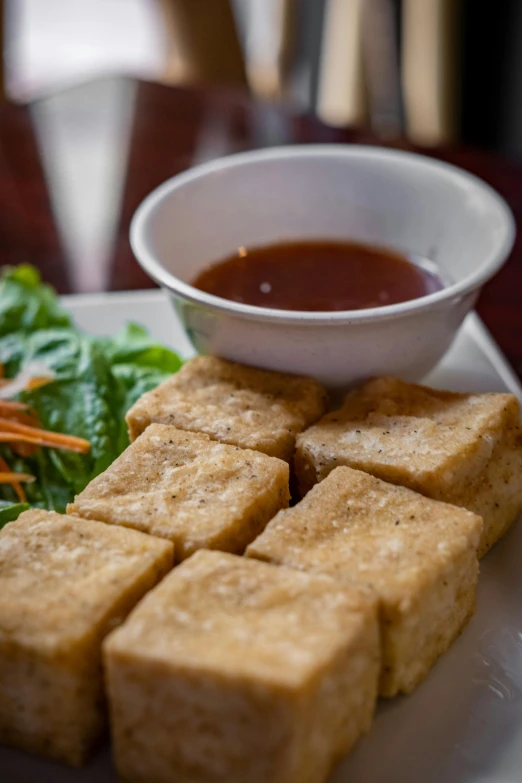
point(464, 724)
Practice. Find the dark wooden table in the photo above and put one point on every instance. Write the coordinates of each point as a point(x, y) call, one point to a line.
point(162, 131)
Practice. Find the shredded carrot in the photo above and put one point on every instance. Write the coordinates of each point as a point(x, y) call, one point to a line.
point(15, 478)
point(23, 414)
point(15, 438)
point(35, 383)
point(24, 449)
point(21, 429)
point(11, 432)
point(79, 444)
point(19, 416)
point(19, 490)
point(14, 405)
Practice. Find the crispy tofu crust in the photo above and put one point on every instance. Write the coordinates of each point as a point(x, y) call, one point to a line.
point(464, 449)
point(187, 488)
point(243, 406)
point(233, 670)
point(64, 584)
point(419, 555)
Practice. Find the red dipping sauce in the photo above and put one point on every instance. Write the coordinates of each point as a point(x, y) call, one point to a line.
point(317, 276)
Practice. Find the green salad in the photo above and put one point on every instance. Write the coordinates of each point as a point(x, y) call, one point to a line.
point(89, 383)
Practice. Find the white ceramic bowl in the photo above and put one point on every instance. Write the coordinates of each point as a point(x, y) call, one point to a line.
point(384, 197)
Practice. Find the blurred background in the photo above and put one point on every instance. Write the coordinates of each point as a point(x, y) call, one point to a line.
point(101, 100)
point(434, 71)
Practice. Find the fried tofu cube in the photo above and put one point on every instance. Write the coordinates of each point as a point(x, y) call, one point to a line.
point(187, 488)
point(464, 449)
point(243, 406)
point(64, 584)
point(239, 672)
point(419, 555)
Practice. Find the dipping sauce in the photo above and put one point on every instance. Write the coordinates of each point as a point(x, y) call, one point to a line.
point(317, 276)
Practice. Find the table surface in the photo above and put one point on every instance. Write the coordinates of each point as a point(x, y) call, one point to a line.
point(75, 165)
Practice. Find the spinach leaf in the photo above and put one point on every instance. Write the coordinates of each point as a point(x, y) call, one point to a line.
point(27, 304)
point(133, 345)
point(138, 365)
point(50, 490)
point(133, 381)
point(82, 400)
point(12, 352)
point(10, 511)
point(95, 381)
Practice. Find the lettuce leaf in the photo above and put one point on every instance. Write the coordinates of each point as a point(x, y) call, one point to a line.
point(10, 511)
point(96, 380)
point(132, 346)
point(27, 304)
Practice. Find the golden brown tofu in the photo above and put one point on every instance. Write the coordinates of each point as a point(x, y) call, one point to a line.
point(183, 486)
point(238, 672)
point(419, 555)
point(235, 404)
point(464, 449)
point(64, 584)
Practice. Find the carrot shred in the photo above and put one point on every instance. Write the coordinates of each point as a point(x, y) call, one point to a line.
point(24, 449)
point(14, 405)
point(15, 478)
point(21, 428)
point(65, 441)
point(23, 414)
point(20, 417)
point(68, 443)
point(35, 383)
point(19, 490)
point(16, 437)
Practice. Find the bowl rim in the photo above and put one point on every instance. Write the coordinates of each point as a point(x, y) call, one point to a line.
point(155, 269)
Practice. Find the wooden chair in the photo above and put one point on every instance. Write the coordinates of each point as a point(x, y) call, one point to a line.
point(342, 94)
point(429, 69)
point(203, 42)
point(361, 80)
point(204, 45)
point(364, 79)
